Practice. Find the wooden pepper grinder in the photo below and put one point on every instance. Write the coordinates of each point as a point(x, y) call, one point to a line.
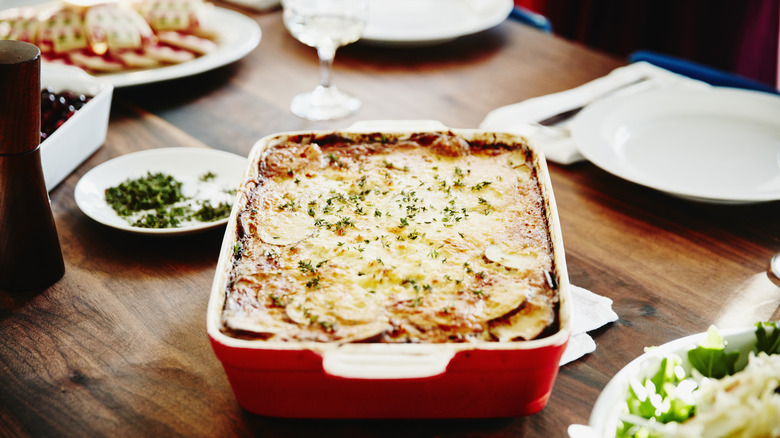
point(30, 254)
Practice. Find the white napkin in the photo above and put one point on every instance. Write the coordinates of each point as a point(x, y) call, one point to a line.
point(557, 143)
point(589, 312)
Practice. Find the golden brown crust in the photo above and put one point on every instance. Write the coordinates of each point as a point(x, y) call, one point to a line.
point(425, 238)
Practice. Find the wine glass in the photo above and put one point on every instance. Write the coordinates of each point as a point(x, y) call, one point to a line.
point(325, 25)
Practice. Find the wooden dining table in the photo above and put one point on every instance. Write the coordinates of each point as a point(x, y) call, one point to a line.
point(118, 346)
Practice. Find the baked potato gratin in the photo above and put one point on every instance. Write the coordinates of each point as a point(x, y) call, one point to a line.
point(384, 238)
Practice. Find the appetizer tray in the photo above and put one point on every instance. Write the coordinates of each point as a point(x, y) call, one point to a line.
point(307, 379)
point(225, 37)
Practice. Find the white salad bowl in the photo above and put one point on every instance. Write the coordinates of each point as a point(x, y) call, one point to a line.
point(606, 412)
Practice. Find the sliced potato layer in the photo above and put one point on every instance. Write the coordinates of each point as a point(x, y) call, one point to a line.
point(420, 239)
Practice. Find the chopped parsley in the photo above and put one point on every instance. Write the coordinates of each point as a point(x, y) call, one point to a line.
point(208, 176)
point(162, 218)
point(156, 201)
point(153, 191)
point(329, 326)
point(305, 266)
point(313, 283)
point(290, 205)
point(209, 213)
point(480, 186)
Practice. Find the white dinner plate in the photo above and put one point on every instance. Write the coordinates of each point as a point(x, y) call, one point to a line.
point(237, 35)
point(425, 22)
point(720, 145)
point(187, 165)
point(606, 412)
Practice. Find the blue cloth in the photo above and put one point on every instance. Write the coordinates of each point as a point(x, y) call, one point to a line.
point(531, 18)
point(701, 72)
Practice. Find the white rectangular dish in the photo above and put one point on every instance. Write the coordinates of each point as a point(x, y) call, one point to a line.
point(82, 134)
point(309, 379)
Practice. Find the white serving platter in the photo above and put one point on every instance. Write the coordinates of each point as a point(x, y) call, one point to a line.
point(237, 35)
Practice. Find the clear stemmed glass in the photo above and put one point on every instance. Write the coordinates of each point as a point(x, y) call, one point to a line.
point(325, 25)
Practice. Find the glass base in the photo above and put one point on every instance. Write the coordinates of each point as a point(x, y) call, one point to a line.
point(324, 103)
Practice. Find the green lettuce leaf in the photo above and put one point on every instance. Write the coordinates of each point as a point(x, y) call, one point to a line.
point(655, 397)
point(711, 359)
point(768, 343)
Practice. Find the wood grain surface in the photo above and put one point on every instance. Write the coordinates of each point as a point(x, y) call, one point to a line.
point(118, 347)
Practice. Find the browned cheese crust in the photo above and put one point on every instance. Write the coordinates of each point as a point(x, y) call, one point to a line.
point(379, 238)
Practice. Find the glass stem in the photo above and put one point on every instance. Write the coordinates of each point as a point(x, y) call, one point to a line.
point(326, 55)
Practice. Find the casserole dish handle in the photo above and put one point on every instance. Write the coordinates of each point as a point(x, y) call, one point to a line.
point(385, 365)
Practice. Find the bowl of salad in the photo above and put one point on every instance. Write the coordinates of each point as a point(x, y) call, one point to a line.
point(712, 384)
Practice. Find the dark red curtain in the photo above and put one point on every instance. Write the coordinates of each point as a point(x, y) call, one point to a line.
point(740, 36)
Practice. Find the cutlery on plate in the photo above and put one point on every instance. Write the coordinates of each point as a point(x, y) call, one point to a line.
point(566, 115)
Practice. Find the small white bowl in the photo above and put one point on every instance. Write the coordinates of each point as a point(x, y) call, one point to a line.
point(604, 417)
point(84, 132)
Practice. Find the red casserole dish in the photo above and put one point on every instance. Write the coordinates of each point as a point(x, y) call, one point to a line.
point(386, 380)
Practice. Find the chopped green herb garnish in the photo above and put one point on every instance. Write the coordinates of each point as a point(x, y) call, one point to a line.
point(314, 282)
point(290, 205)
point(279, 301)
point(343, 223)
point(156, 201)
point(152, 191)
point(209, 213)
point(305, 266)
point(163, 218)
point(481, 185)
point(208, 176)
point(328, 326)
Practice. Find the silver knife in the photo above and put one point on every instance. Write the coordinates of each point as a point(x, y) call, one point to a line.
point(566, 115)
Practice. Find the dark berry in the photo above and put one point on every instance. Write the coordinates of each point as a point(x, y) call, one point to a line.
point(57, 108)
